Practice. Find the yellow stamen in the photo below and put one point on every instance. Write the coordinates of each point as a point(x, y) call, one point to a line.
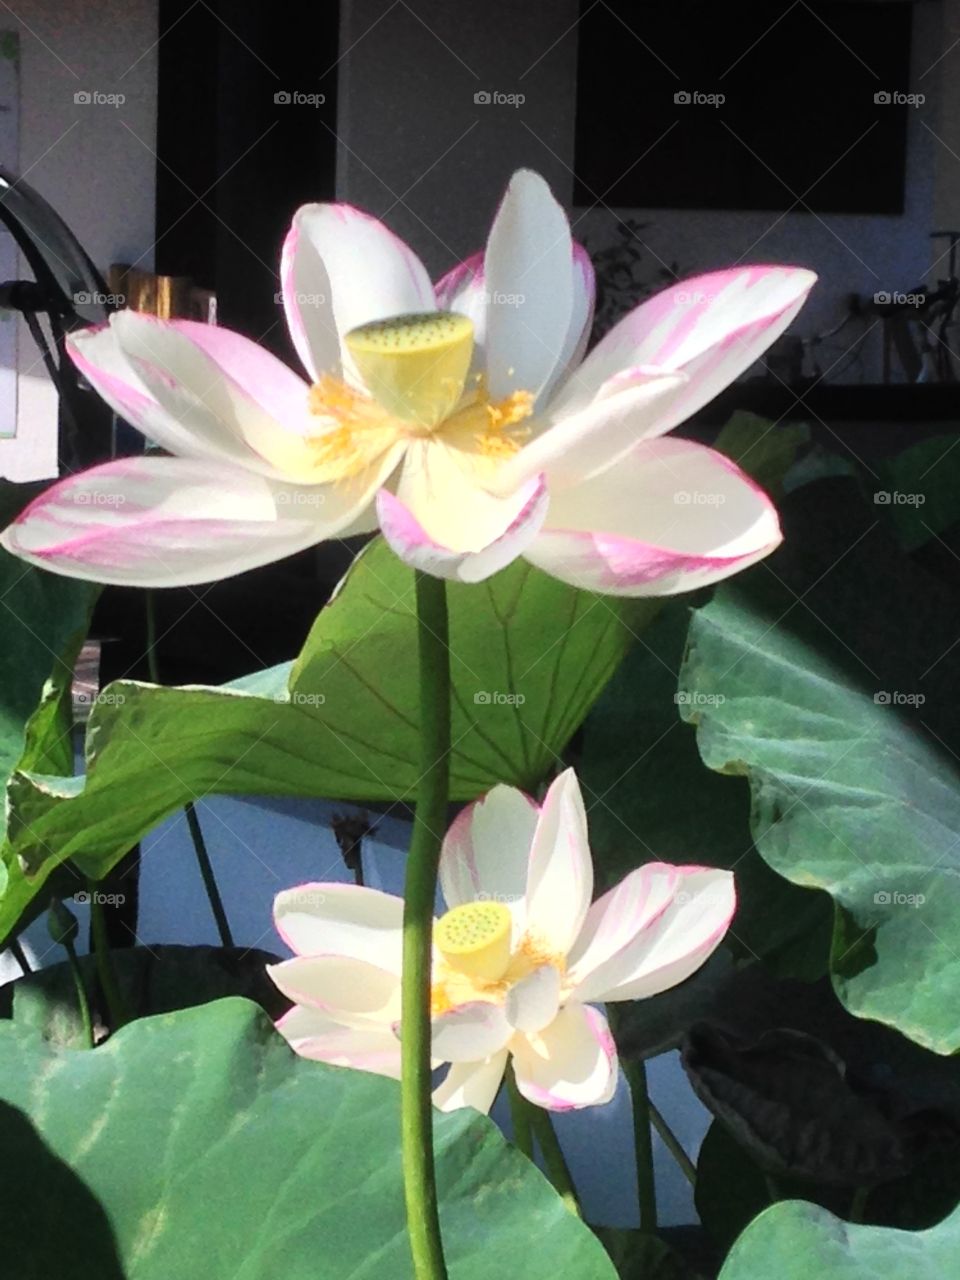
point(415, 365)
point(474, 939)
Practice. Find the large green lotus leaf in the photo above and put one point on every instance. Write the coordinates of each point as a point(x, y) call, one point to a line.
point(826, 678)
point(43, 622)
point(529, 656)
point(651, 797)
point(794, 1240)
point(196, 1143)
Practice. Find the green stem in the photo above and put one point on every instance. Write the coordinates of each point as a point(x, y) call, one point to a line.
point(519, 1116)
point(672, 1143)
point(82, 1001)
point(209, 879)
point(193, 822)
point(553, 1158)
point(636, 1073)
point(116, 1005)
point(420, 889)
point(858, 1205)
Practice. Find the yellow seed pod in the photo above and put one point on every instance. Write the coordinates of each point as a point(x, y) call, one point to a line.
point(474, 938)
point(415, 366)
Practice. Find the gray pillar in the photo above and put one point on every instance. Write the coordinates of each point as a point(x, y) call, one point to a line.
point(425, 141)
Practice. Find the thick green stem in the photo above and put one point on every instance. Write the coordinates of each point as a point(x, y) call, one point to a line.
point(116, 1005)
point(553, 1157)
point(209, 879)
point(519, 1116)
point(672, 1143)
point(636, 1074)
point(416, 1118)
point(83, 1003)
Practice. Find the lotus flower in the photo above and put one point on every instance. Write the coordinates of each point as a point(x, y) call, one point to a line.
point(520, 957)
point(457, 417)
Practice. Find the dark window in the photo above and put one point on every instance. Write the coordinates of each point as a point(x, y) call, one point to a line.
point(800, 123)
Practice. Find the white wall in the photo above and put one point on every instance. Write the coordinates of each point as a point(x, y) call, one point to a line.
point(93, 163)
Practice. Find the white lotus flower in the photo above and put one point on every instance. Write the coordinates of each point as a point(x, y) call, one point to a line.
point(458, 418)
point(521, 957)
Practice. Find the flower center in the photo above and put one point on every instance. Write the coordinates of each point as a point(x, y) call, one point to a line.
point(414, 369)
point(474, 939)
point(415, 366)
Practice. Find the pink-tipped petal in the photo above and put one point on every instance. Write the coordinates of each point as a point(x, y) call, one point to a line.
point(99, 358)
point(570, 1064)
point(533, 1002)
point(671, 516)
point(712, 327)
point(463, 290)
point(463, 541)
point(528, 272)
point(209, 379)
point(674, 946)
point(341, 268)
point(482, 855)
point(570, 449)
point(313, 1034)
point(560, 869)
point(615, 920)
point(343, 919)
point(471, 1084)
point(169, 522)
point(469, 1032)
point(354, 992)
